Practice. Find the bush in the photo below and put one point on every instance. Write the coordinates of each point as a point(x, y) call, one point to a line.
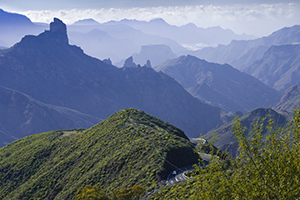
point(267, 167)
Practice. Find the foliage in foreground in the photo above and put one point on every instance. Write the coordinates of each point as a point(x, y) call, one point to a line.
point(128, 148)
point(267, 167)
point(95, 193)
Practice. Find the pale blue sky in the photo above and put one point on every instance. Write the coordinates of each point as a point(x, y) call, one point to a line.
point(98, 4)
point(256, 17)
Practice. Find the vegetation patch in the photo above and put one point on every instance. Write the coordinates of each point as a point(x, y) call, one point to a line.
point(129, 148)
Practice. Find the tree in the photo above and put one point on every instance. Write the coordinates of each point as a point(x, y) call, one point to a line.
point(90, 193)
point(266, 168)
point(95, 193)
point(133, 193)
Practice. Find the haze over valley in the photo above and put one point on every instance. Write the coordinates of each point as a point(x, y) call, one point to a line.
point(122, 100)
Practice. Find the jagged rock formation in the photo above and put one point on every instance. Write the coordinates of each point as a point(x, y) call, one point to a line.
point(60, 74)
point(129, 62)
point(59, 31)
point(107, 61)
point(148, 64)
point(157, 54)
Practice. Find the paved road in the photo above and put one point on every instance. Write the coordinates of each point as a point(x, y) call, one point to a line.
point(176, 178)
point(173, 178)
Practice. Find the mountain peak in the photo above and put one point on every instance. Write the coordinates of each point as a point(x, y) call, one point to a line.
point(86, 22)
point(129, 62)
point(158, 20)
point(10, 19)
point(57, 32)
point(57, 26)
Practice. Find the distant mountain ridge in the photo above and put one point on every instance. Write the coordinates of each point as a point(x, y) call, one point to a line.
point(115, 41)
point(279, 67)
point(12, 19)
point(50, 70)
point(186, 34)
point(220, 85)
point(156, 54)
point(14, 26)
point(237, 53)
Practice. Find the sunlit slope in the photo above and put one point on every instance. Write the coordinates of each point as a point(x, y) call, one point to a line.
point(128, 148)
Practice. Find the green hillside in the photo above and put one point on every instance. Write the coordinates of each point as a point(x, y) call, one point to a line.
point(128, 148)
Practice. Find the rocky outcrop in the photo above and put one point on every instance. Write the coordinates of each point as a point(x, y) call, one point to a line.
point(148, 64)
point(58, 32)
point(107, 61)
point(157, 54)
point(129, 62)
point(54, 72)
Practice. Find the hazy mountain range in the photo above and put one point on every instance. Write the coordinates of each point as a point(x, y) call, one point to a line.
point(239, 53)
point(47, 83)
point(50, 70)
point(14, 26)
point(279, 67)
point(220, 85)
point(118, 40)
point(188, 35)
point(46, 70)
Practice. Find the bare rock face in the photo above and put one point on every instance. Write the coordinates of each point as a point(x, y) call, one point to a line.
point(58, 31)
point(58, 26)
point(129, 62)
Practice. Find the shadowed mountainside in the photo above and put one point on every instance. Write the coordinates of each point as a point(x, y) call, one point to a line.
point(50, 70)
point(14, 26)
point(279, 67)
point(220, 85)
point(21, 115)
